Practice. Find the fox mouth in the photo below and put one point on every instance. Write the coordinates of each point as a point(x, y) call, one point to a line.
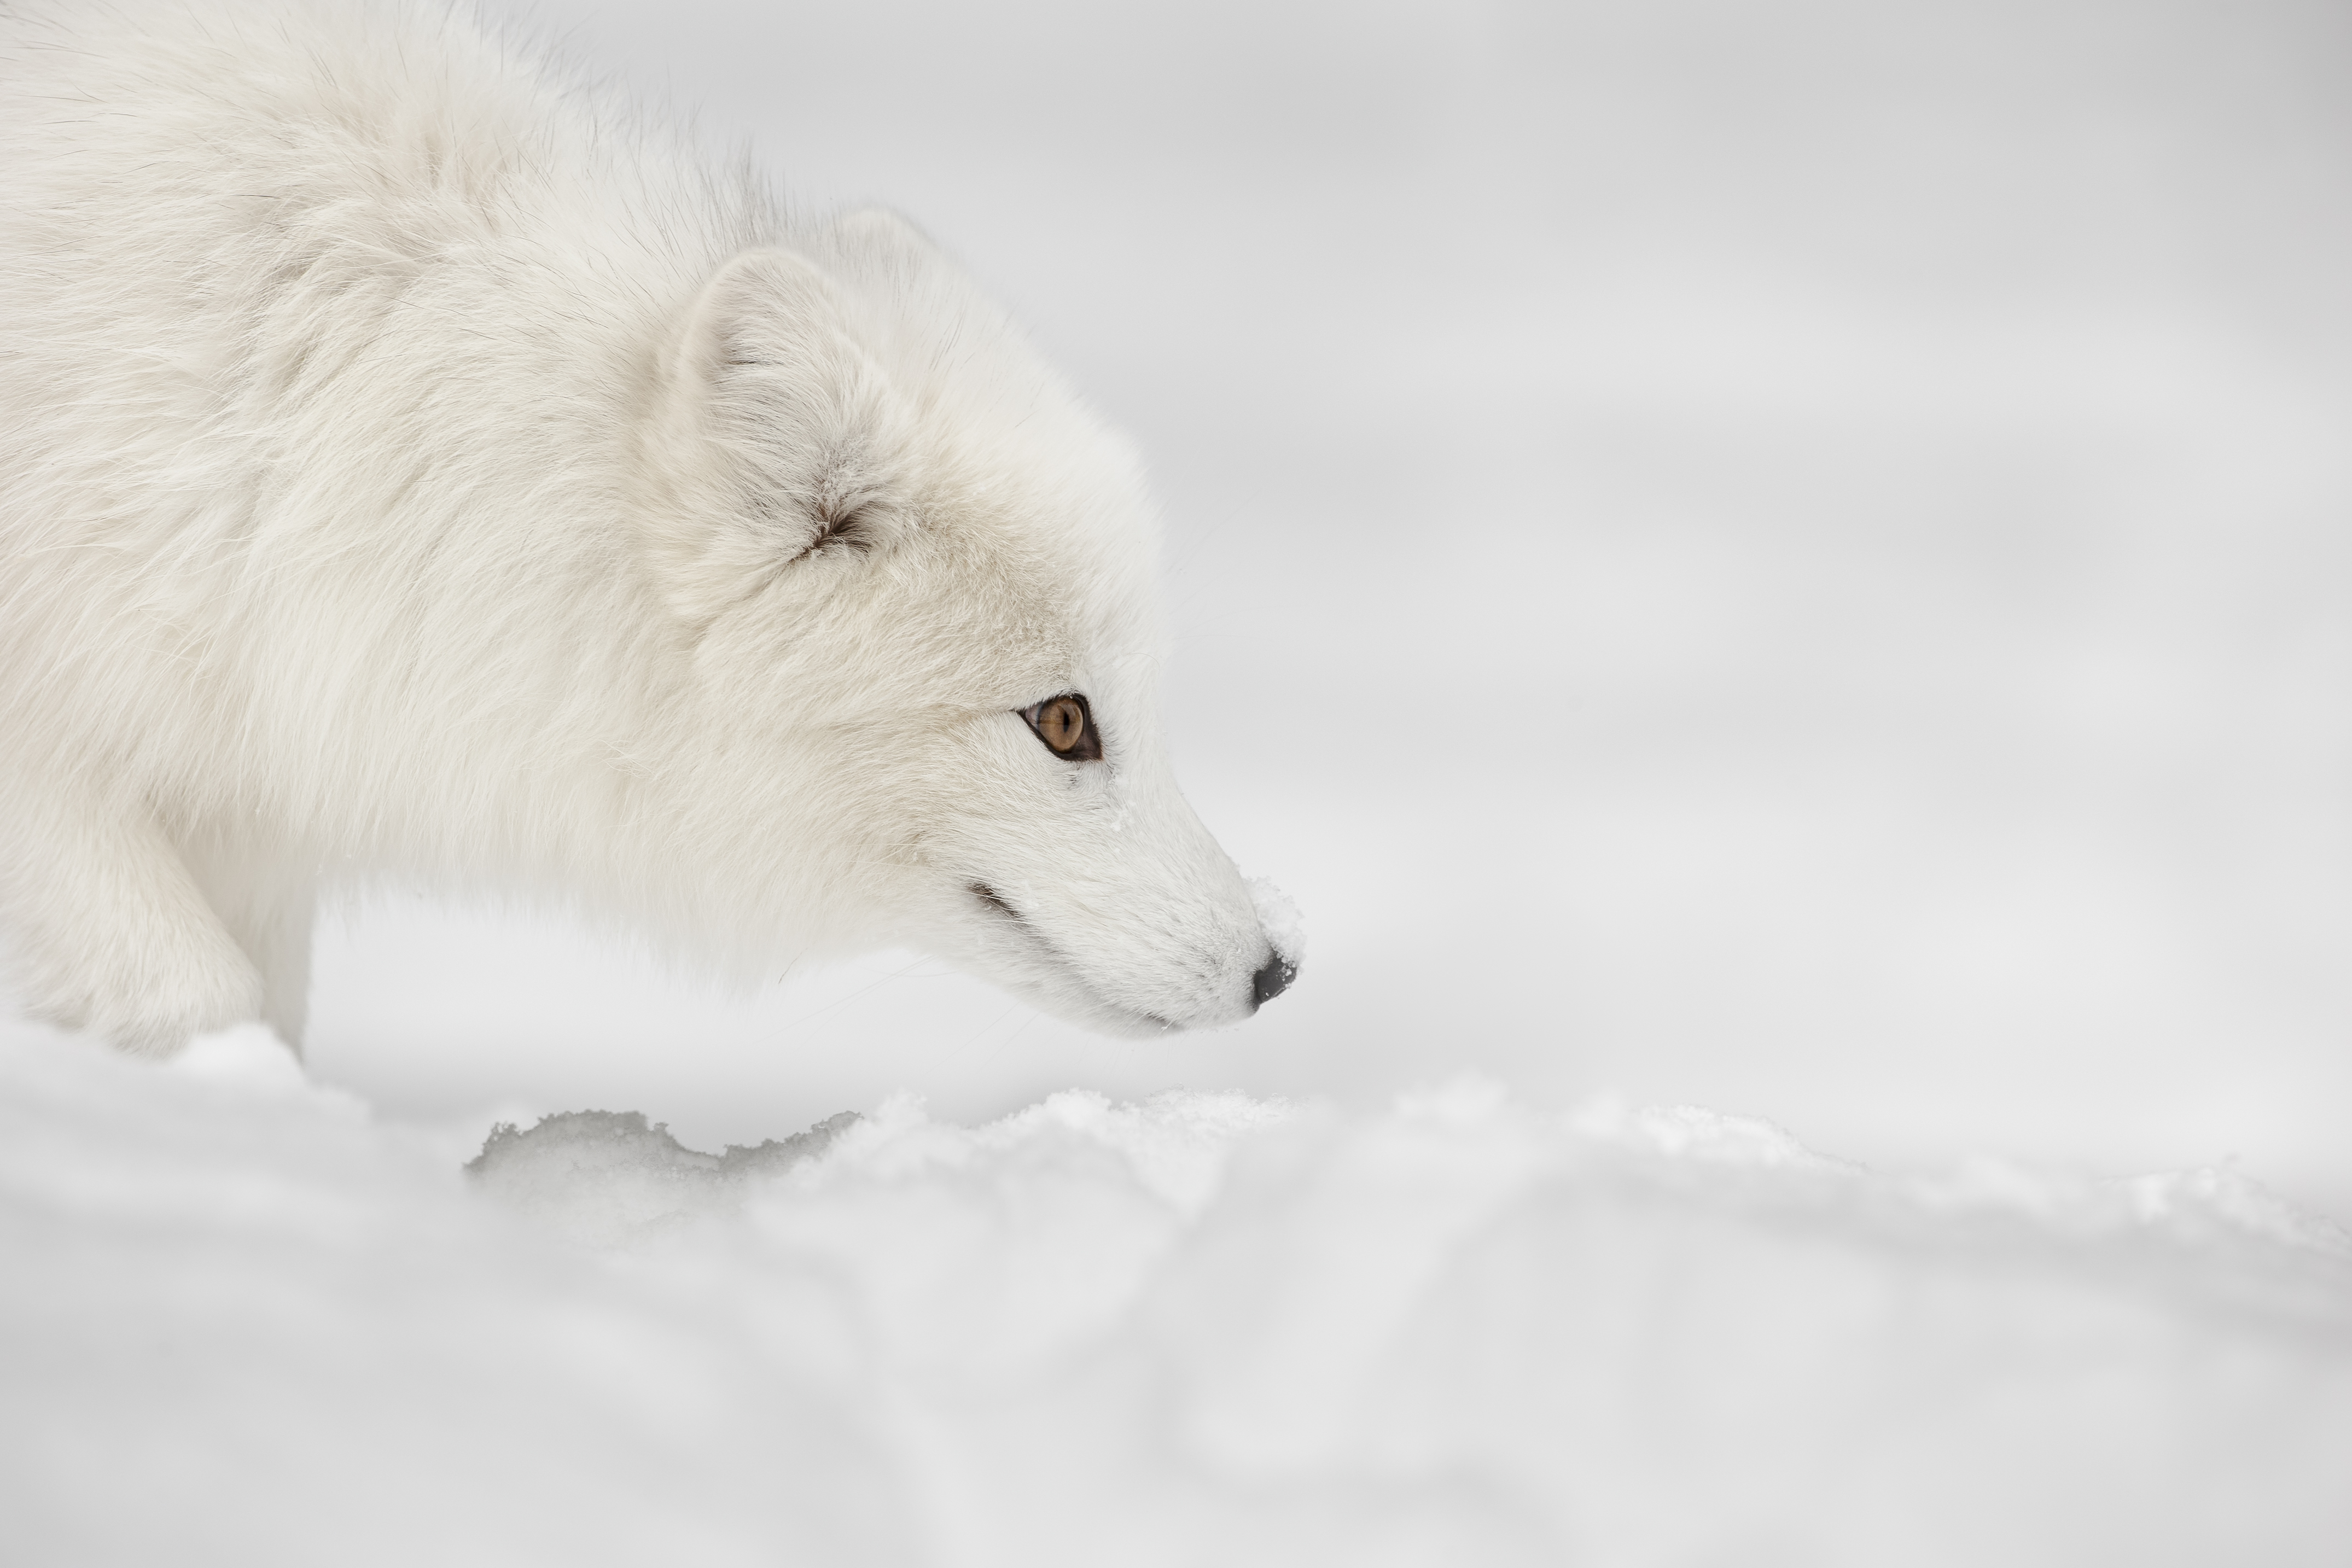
point(997, 902)
point(1004, 909)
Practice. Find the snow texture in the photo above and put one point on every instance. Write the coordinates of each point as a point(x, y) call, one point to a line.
point(608, 1179)
point(1285, 927)
point(241, 1321)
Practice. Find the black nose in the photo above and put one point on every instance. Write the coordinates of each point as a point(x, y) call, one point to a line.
point(1271, 981)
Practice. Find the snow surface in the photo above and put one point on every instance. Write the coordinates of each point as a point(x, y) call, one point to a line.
point(243, 1322)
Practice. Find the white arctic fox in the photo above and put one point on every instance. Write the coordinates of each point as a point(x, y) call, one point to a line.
point(409, 469)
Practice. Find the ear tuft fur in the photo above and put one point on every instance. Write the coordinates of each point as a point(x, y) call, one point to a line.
point(779, 437)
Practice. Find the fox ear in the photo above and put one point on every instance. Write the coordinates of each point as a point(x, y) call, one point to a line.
point(781, 439)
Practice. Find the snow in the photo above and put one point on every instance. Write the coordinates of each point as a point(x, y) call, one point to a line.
point(1285, 927)
point(1785, 560)
point(244, 1321)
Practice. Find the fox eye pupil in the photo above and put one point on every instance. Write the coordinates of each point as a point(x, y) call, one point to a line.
point(1066, 725)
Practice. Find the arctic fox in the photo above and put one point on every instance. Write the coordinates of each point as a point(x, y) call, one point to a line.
point(413, 469)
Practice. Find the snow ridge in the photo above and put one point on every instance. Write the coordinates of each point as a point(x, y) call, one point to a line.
point(239, 1320)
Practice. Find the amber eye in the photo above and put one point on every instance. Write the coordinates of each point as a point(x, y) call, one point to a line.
point(1067, 725)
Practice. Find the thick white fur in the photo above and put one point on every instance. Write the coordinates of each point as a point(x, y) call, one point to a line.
point(411, 469)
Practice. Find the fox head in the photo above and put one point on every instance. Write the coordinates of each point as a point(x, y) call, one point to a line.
point(911, 580)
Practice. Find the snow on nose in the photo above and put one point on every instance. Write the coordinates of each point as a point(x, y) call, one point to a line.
point(1286, 937)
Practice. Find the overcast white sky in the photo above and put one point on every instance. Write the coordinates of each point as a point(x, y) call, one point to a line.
point(1790, 558)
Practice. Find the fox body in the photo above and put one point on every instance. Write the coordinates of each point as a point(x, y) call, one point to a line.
point(416, 469)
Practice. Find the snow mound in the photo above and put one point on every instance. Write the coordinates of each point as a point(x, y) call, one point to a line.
point(241, 1322)
point(608, 1179)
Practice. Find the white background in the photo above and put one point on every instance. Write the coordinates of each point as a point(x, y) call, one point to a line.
point(1789, 557)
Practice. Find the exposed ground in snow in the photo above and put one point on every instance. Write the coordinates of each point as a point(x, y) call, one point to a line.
point(242, 1322)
